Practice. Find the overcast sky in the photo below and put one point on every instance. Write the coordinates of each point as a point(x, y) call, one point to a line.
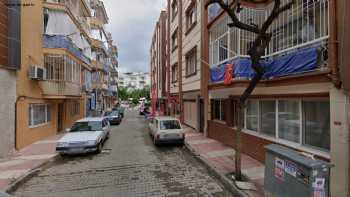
point(131, 23)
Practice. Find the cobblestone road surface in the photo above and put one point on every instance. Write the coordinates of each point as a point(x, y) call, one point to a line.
point(130, 165)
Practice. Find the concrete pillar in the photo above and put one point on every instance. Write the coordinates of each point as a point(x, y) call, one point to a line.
point(340, 148)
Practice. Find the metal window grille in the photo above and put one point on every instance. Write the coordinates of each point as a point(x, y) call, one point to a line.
point(305, 24)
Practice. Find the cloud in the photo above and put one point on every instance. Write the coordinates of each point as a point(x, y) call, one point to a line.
point(131, 23)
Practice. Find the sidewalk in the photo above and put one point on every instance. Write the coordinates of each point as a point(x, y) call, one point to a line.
point(23, 162)
point(220, 158)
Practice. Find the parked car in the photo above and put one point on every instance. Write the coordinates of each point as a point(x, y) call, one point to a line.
point(114, 117)
point(166, 130)
point(86, 135)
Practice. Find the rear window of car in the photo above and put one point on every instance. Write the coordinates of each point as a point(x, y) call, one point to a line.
point(107, 113)
point(114, 113)
point(87, 126)
point(169, 124)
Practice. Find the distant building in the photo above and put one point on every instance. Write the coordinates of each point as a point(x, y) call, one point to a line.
point(134, 80)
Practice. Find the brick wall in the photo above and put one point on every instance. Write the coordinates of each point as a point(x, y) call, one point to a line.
point(251, 145)
point(3, 35)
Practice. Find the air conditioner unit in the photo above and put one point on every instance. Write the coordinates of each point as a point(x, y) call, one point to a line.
point(37, 73)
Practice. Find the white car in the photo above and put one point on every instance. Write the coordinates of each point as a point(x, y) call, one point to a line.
point(86, 135)
point(164, 130)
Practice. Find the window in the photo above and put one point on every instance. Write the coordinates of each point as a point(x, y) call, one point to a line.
point(174, 40)
point(174, 73)
point(218, 112)
point(87, 126)
point(191, 62)
point(169, 125)
point(252, 115)
point(316, 124)
point(191, 16)
point(289, 120)
point(268, 117)
point(304, 122)
point(75, 110)
point(39, 114)
point(174, 9)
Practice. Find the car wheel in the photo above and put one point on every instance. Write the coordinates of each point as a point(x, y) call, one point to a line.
point(155, 142)
point(99, 148)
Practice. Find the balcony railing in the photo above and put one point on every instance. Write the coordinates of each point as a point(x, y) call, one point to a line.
point(303, 28)
point(60, 88)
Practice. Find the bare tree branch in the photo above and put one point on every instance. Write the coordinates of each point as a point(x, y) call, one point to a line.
point(255, 52)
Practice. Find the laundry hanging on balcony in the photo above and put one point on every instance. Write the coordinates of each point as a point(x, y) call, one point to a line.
point(297, 62)
point(60, 23)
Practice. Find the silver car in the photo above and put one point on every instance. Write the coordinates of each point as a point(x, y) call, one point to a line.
point(86, 135)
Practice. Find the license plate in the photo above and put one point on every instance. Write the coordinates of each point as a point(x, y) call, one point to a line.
point(77, 150)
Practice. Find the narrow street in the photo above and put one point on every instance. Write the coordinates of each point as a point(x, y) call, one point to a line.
point(130, 165)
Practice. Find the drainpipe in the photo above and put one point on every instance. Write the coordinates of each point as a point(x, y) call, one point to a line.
point(333, 45)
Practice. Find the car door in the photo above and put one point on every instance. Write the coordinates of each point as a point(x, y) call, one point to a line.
point(105, 128)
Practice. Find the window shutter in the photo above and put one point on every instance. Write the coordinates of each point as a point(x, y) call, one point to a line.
point(14, 35)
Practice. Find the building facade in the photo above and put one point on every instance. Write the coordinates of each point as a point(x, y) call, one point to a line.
point(10, 19)
point(64, 67)
point(299, 103)
point(183, 52)
point(302, 102)
point(158, 69)
point(134, 80)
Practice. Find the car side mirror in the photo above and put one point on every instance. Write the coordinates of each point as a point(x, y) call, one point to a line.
point(67, 130)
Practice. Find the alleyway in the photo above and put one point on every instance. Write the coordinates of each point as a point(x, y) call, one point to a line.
point(130, 165)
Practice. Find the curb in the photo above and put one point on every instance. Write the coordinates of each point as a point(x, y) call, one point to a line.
point(33, 172)
point(224, 180)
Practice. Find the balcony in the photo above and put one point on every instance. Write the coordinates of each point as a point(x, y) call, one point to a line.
point(58, 89)
point(60, 41)
point(97, 65)
point(95, 22)
point(299, 43)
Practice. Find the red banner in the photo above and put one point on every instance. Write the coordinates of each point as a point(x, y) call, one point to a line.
point(228, 74)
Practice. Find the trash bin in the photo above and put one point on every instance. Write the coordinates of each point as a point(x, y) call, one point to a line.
point(289, 173)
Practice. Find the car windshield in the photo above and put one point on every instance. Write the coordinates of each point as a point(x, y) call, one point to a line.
point(87, 126)
point(169, 124)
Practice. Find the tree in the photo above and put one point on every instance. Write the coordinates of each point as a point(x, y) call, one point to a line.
point(255, 52)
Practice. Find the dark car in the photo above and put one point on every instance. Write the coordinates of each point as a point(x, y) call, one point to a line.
point(114, 117)
point(120, 111)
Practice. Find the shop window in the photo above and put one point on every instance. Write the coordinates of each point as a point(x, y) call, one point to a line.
point(39, 114)
point(316, 124)
point(268, 118)
point(289, 120)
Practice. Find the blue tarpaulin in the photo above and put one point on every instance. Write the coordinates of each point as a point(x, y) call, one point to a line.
point(61, 41)
point(297, 62)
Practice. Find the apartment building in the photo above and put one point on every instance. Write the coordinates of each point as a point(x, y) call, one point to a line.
point(134, 80)
point(10, 20)
point(158, 65)
point(185, 61)
point(63, 67)
point(299, 103)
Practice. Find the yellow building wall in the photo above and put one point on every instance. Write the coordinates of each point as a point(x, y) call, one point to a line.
point(26, 135)
point(28, 90)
